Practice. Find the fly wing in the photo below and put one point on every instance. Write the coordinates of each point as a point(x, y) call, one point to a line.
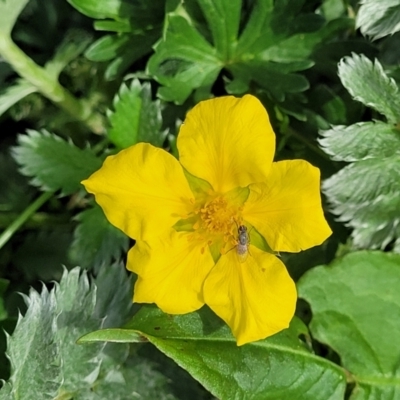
point(242, 252)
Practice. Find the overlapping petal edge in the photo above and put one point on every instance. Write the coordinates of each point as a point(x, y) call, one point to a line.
point(184, 216)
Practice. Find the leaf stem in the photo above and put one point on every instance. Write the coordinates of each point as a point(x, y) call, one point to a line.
point(48, 85)
point(311, 146)
point(23, 217)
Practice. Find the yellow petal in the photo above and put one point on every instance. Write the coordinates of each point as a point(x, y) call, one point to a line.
point(287, 209)
point(256, 298)
point(228, 142)
point(171, 271)
point(142, 190)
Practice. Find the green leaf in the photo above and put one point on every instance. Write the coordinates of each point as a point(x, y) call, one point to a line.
point(76, 300)
point(203, 345)
point(96, 242)
point(5, 391)
point(356, 307)
point(33, 352)
point(107, 47)
point(365, 193)
point(136, 118)
point(123, 50)
point(275, 43)
point(365, 180)
point(139, 23)
point(136, 378)
point(9, 12)
point(381, 92)
point(361, 141)
point(113, 335)
point(52, 163)
point(46, 361)
point(73, 44)
point(13, 94)
point(122, 26)
point(103, 9)
point(114, 306)
point(333, 9)
point(378, 18)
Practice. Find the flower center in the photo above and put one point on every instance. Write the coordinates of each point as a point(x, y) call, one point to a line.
point(216, 216)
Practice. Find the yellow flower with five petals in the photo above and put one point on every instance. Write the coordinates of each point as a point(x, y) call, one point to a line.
point(185, 216)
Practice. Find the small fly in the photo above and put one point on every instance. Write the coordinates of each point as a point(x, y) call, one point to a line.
point(243, 242)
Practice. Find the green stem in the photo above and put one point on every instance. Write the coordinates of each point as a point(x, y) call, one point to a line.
point(23, 217)
point(311, 146)
point(38, 220)
point(47, 84)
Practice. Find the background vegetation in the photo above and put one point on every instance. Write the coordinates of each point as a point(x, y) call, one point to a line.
point(82, 79)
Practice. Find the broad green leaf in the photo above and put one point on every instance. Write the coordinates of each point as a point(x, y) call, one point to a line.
point(378, 18)
point(52, 163)
point(275, 43)
point(13, 94)
point(33, 352)
point(73, 44)
point(355, 305)
point(96, 242)
point(136, 117)
point(76, 300)
point(361, 141)
point(9, 12)
point(368, 83)
point(203, 345)
point(103, 9)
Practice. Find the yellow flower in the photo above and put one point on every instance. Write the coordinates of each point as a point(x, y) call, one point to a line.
point(185, 217)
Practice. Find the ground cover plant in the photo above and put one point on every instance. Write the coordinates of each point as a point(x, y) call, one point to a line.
point(199, 199)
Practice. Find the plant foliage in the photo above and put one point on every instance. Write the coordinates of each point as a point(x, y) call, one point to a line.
point(83, 79)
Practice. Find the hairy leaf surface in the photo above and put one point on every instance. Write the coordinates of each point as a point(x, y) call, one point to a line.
point(378, 18)
point(367, 82)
